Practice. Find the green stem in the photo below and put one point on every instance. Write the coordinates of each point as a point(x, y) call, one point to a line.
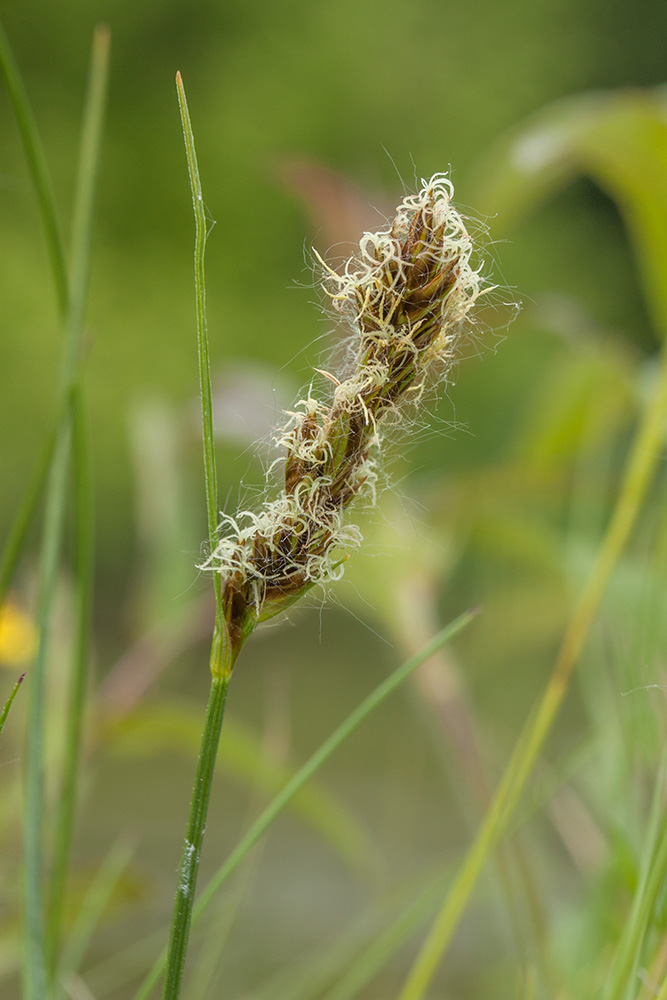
point(194, 836)
point(35, 966)
point(221, 661)
point(303, 775)
point(78, 679)
point(73, 405)
point(72, 296)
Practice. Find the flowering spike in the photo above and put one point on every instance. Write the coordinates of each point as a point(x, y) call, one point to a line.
point(404, 295)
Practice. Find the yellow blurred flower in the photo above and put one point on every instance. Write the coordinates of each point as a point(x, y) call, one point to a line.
point(18, 635)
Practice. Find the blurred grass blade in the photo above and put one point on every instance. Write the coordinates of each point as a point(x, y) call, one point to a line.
point(114, 972)
point(662, 995)
point(311, 766)
point(35, 963)
point(385, 945)
point(37, 164)
point(619, 139)
point(89, 156)
point(23, 518)
point(626, 961)
point(244, 758)
point(82, 221)
point(83, 583)
point(363, 948)
point(8, 703)
point(622, 142)
point(44, 191)
point(95, 902)
point(41, 180)
point(642, 461)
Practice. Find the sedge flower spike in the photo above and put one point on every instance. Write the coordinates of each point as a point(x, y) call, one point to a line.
point(405, 296)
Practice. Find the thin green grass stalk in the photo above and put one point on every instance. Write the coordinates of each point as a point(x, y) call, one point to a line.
point(115, 971)
point(71, 299)
point(641, 464)
point(37, 165)
point(67, 798)
point(18, 531)
point(372, 959)
point(651, 881)
point(82, 219)
point(222, 924)
point(299, 779)
point(655, 973)
point(39, 172)
point(8, 703)
point(194, 838)
point(43, 186)
point(35, 943)
point(82, 229)
point(203, 352)
point(361, 949)
point(93, 907)
point(222, 658)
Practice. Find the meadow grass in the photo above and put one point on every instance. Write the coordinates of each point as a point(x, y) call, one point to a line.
point(623, 141)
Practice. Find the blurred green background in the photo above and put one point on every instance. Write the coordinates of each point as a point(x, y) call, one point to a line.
point(304, 115)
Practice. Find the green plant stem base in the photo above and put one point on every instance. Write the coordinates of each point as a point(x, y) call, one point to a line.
point(194, 836)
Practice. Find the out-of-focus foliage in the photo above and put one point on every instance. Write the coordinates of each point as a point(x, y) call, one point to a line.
point(266, 83)
point(503, 506)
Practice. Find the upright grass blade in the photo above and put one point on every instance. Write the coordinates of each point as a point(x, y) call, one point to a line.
point(91, 139)
point(651, 882)
point(221, 660)
point(349, 962)
point(8, 703)
point(67, 798)
point(72, 297)
point(82, 221)
point(51, 468)
point(35, 960)
point(39, 172)
point(93, 906)
point(299, 779)
point(374, 957)
point(641, 464)
point(205, 391)
point(248, 760)
point(41, 180)
point(18, 531)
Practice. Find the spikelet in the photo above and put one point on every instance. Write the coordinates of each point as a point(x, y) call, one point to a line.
point(405, 296)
